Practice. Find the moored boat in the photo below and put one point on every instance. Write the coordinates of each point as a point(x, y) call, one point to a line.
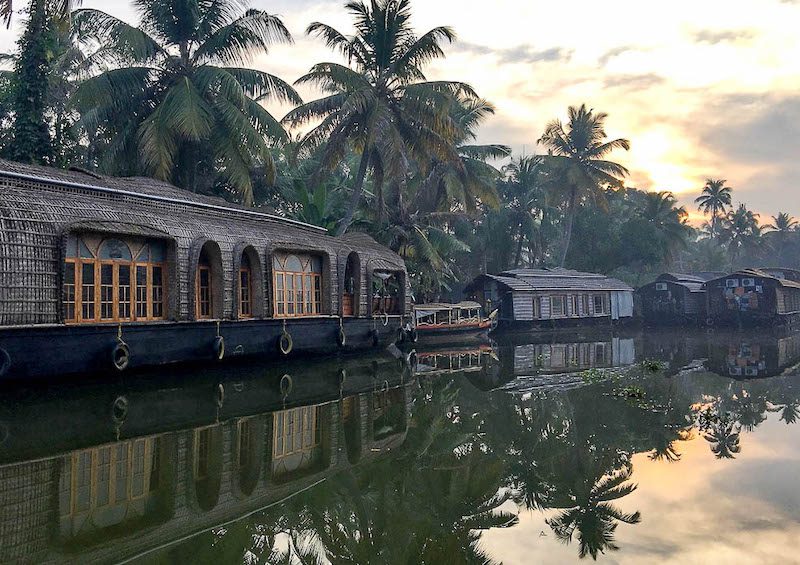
point(100, 273)
point(444, 322)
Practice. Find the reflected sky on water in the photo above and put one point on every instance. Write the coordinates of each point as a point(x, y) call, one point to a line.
point(667, 446)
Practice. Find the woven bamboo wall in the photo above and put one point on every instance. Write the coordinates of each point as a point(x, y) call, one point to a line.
point(36, 213)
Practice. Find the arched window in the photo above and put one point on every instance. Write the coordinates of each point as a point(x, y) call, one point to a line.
point(352, 282)
point(245, 288)
point(204, 283)
point(297, 285)
point(112, 280)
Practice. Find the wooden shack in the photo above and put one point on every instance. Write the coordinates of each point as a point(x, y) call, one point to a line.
point(552, 297)
point(755, 297)
point(673, 298)
point(101, 273)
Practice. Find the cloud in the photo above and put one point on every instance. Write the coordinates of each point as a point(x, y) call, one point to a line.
point(519, 54)
point(724, 36)
point(633, 82)
point(615, 52)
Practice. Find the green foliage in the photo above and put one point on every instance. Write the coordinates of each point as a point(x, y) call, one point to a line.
point(30, 139)
point(173, 99)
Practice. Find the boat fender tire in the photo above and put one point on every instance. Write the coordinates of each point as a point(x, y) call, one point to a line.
point(286, 385)
point(341, 338)
point(219, 395)
point(285, 343)
point(120, 356)
point(385, 319)
point(219, 347)
point(376, 338)
point(119, 409)
point(5, 362)
point(710, 321)
point(342, 376)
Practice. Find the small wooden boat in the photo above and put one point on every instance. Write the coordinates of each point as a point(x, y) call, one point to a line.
point(440, 323)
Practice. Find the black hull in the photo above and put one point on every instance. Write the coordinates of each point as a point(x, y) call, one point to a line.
point(36, 352)
point(755, 320)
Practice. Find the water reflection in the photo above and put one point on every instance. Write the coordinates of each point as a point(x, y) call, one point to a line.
point(425, 459)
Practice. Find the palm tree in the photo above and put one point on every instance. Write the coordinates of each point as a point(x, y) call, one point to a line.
point(715, 199)
point(469, 180)
point(527, 197)
point(740, 230)
point(660, 210)
point(382, 104)
point(577, 153)
point(174, 100)
point(783, 227)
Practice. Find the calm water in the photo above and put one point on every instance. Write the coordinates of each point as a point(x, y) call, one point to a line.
point(670, 447)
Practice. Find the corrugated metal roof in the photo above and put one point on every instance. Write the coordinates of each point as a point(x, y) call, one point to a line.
point(528, 282)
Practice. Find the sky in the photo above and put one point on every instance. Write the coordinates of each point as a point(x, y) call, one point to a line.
point(701, 88)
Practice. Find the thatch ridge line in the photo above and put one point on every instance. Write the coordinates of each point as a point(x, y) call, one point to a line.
point(108, 190)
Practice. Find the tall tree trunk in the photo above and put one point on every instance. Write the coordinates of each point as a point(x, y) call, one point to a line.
point(355, 199)
point(568, 230)
point(519, 247)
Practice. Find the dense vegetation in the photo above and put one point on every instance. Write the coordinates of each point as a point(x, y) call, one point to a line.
point(384, 149)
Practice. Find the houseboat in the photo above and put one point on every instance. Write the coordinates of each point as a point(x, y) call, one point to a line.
point(440, 323)
point(101, 273)
point(551, 298)
point(754, 297)
point(85, 481)
point(673, 298)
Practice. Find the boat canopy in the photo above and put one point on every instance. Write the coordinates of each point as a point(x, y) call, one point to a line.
point(423, 310)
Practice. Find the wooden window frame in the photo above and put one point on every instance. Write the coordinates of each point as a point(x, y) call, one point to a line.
point(246, 293)
point(198, 296)
point(95, 265)
point(604, 308)
point(310, 293)
point(562, 299)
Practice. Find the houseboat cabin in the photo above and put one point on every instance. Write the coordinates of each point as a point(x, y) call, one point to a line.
point(110, 273)
point(755, 297)
point(441, 322)
point(673, 298)
point(552, 297)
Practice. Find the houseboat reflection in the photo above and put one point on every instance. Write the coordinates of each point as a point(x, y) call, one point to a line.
point(164, 463)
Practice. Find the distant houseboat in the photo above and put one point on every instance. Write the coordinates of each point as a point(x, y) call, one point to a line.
point(673, 298)
point(103, 273)
point(439, 323)
point(548, 298)
point(755, 297)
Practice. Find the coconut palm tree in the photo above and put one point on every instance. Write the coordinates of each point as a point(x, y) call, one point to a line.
point(469, 180)
point(782, 228)
point(173, 98)
point(382, 104)
point(661, 211)
point(740, 229)
point(714, 199)
point(577, 153)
